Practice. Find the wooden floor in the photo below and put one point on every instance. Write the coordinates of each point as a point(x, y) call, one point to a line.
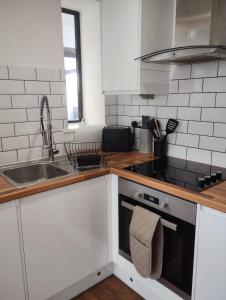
point(109, 289)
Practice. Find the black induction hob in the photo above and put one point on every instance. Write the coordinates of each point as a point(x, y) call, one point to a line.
point(188, 174)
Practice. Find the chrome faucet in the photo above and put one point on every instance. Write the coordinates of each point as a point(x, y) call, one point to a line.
point(47, 136)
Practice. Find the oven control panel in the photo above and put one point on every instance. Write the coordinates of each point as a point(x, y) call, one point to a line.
point(150, 198)
point(169, 204)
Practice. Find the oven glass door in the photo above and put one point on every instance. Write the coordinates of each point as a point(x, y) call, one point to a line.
point(178, 253)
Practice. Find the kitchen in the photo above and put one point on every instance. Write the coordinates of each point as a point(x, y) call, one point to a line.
point(79, 76)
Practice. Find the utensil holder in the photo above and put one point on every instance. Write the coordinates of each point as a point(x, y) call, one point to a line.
point(160, 148)
point(145, 141)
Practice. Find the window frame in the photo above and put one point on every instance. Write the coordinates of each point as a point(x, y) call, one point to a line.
point(76, 15)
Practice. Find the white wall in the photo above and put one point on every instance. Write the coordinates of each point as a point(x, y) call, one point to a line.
point(93, 99)
point(31, 33)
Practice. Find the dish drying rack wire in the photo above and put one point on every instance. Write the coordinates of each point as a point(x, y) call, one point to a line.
point(86, 155)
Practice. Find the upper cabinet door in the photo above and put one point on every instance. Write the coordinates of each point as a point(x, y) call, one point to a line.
point(211, 256)
point(132, 28)
point(120, 44)
point(64, 235)
point(11, 278)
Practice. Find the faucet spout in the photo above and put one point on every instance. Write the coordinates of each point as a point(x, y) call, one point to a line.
point(47, 135)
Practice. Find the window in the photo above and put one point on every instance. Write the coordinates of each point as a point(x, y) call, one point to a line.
point(72, 64)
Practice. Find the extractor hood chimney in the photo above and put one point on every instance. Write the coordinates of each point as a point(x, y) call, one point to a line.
point(200, 34)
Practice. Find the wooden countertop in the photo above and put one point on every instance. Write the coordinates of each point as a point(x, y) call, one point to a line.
point(214, 197)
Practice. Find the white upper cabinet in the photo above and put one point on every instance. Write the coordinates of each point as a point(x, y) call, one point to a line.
point(211, 256)
point(130, 29)
point(64, 235)
point(11, 275)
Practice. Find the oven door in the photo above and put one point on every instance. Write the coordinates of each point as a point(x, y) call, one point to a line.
point(178, 253)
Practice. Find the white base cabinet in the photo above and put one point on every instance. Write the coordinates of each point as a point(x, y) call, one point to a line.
point(11, 275)
point(65, 236)
point(211, 255)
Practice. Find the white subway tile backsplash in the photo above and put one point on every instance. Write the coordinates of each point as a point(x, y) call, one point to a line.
point(107, 110)
point(222, 68)
point(4, 72)
point(13, 115)
point(33, 114)
point(62, 75)
point(212, 143)
point(8, 87)
point(48, 74)
point(21, 89)
point(219, 159)
point(5, 101)
point(9, 157)
point(221, 100)
point(220, 130)
point(35, 140)
point(167, 112)
point(13, 143)
point(177, 151)
point(199, 155)
point(201, 128)
point(22, 73)
point(189, 113)
point(190, 86)
point(174, 86)
point(24, 101)
point(61, 137)
point(111, 100)
point(182, 126)
point(180, 72)
point(7, 130)
point(124, 99)
point(113, 110)
point(202, 100)
point(124, 120)
point(54, 100)
point(59, 113)
point(29, 154)
point(148, 111)
point(137, 100)
point(214, 84)
point(159, 100)
point(27, 128)
point(131, 110)
point(120, 110)
point(37, 87)
point(112, 120)
point(214, 114)
point(198, 100)
point(204, 70)
point(189, 140)
point(178, 100)
point(58, 88)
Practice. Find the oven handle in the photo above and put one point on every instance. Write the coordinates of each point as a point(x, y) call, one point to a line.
point(163, 221)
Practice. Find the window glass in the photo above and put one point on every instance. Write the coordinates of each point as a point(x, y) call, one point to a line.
point(72, 64)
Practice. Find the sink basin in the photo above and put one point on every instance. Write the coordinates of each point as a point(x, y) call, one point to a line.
point(26, 175)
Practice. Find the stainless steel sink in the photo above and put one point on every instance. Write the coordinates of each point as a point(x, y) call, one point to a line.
point(30, 174)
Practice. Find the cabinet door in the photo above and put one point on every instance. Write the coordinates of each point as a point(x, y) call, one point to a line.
point(211, 256)
point(65, 236)
point(11, 278)
point(120, 44)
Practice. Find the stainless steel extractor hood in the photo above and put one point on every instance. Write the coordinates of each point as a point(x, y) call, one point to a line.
point(200, 34)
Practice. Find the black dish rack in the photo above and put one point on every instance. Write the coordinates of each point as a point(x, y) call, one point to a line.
point(86, 155)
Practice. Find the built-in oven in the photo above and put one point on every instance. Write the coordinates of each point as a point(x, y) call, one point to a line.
point(178, 218)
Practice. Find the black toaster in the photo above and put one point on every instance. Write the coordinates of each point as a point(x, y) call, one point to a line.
point(117, 139)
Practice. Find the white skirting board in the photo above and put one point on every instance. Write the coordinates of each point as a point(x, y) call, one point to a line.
point(84, 284)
